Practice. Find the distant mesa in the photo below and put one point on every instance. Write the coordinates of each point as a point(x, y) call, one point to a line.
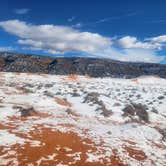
point(94, 67)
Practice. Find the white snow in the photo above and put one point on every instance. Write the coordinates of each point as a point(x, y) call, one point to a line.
point(112, 131)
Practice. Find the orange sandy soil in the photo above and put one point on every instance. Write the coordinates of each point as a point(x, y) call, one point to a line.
point(62, 146)
point(62, 102)
point(55, 142)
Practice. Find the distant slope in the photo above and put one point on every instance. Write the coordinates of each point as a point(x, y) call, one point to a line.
point(13, 62)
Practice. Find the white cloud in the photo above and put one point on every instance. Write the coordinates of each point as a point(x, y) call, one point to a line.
point(6, 49)
point(158, 39)
point(132, 42)
point(63, 39)
point(56, 38)
point(141, 55)
point(131, 55)
point(21, 11)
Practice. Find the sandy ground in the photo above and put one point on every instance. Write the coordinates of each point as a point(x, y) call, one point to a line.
point(76, 120)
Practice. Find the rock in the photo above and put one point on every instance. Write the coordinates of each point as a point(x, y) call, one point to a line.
point(47, 93)
point(138, 110)
point(74, 94)
point(13, 62)
point(25, 112)
point(92, 98)
point(162, 132)
point(161, 97)
point(117, 104)
point(106, 112)
point(154, 110)
point(48, 85)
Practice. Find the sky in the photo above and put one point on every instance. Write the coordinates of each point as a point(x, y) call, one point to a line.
point(126, 30)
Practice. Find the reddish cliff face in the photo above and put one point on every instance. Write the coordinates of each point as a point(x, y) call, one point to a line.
point(83, 66)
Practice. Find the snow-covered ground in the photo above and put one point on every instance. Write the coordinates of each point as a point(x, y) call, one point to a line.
point(77, 120)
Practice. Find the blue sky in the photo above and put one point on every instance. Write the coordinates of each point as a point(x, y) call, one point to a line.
point(127, 30)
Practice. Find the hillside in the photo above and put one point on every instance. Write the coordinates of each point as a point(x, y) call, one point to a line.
point(78, 120)
point(70, 111)
point(13, 62)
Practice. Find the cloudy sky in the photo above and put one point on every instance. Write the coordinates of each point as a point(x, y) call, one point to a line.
point(127, 30)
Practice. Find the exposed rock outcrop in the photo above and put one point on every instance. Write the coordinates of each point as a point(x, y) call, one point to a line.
point(14, 62)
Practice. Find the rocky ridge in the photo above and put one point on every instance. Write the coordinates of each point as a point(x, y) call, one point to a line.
point(14, 62)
